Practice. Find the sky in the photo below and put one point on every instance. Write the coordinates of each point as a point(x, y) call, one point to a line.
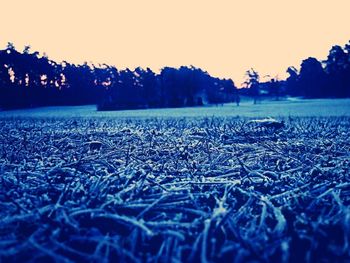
point(223, 37)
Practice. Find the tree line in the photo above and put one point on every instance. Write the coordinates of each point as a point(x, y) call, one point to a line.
point(315, 79)
point(30, 79)
point(322, 79)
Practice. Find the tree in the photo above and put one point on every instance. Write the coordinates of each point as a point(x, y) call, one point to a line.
point(338, 70)
point(292, 86)
point(275, 88)
point(252, 83)
point(312, 79)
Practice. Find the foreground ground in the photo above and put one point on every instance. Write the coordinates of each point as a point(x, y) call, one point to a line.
point(169, 190)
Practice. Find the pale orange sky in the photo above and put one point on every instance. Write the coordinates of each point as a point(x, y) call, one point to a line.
point(224, 37)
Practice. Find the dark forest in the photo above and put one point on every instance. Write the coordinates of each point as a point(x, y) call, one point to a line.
point(31, 79)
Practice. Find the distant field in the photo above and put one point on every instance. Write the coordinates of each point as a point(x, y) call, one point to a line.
point(302, 108)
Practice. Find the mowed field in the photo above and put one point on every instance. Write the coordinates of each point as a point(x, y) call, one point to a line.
point(176, 185)
point(285, 108)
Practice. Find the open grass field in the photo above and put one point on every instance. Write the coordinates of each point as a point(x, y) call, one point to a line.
point(295, 108)
point(145, 186)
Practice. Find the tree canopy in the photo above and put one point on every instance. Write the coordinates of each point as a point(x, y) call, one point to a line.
point(28, 79)
point(31, 79)
point(321, 79)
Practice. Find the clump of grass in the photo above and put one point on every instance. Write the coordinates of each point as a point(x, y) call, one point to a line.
point(163, 190)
